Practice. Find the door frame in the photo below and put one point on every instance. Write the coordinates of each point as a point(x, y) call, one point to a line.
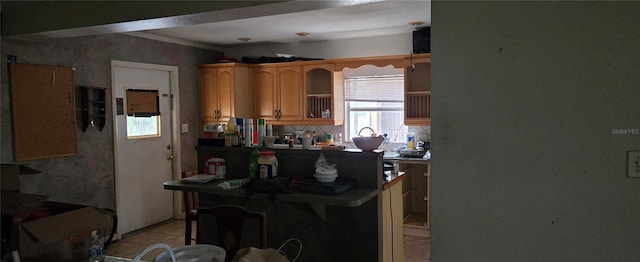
point(175, 127)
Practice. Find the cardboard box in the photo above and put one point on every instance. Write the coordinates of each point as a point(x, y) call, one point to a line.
point(63, 235)
point(10, 177)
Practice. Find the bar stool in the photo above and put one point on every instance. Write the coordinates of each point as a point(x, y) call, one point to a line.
point(191, 212)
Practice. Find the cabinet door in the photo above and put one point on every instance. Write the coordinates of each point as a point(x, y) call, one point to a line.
point(209, 95)
point(417, 97)
point(226, 93)
point(290, 87)
point(265, 92)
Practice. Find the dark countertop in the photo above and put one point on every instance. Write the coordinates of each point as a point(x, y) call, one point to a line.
point(407, 160)
point(353, 197)
point(392, 179)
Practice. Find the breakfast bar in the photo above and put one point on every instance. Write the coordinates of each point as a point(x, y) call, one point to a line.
point(332, 227)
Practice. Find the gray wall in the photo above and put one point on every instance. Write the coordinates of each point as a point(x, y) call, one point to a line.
point(527, 165)
point(88, 177)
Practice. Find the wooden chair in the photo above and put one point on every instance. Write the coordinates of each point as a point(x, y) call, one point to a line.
point(230, 224)
point(191, 211)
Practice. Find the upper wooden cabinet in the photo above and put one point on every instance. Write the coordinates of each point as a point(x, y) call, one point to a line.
point(279, 93)
point(324, 92)
point(225, 92)
point(297, 93)
point(417, 95)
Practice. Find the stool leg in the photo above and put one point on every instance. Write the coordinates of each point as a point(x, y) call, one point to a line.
point(187, 232)
point(197, 233)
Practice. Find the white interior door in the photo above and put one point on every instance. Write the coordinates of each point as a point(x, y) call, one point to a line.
point(144, 149)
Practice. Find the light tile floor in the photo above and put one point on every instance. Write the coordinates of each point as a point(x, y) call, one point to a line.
point(169, 232)
point(416, 248)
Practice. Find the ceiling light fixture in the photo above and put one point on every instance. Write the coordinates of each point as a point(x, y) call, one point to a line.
point(302, 33)
point(244, 39)
point(416, 23)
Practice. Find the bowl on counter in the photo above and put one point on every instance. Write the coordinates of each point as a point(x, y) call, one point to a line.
point(326, 175)
point(367, 143)
point(326, 178)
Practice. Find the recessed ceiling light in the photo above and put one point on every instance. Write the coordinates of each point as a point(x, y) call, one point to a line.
point(416, 23)
point(302, 33)
point(244, 39)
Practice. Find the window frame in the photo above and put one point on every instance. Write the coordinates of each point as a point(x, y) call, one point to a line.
point(379, 109)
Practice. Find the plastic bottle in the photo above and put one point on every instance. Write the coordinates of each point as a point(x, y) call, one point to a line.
point(269, 130)
point(240, 131)
point(248, 132)
point(253, 164)
point(96, 251)
point(268, 165)
point(411, 141)
point(230, 133)
point(330, 138)
point(262, 131)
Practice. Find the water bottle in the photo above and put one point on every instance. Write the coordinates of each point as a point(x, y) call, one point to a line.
point(253, 164)
point(96, 251)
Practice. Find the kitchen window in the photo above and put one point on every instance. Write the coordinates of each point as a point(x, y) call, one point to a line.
point(376, 102)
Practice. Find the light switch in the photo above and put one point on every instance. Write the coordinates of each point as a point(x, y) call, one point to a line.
point(185, 128)
point(633, 164)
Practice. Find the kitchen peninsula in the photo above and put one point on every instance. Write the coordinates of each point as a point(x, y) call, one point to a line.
point(342, 227)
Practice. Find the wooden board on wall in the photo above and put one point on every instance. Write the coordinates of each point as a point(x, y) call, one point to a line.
point(44, 115)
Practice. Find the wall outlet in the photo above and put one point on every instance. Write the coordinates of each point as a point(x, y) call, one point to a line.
point(185, 128)
point(633, 164)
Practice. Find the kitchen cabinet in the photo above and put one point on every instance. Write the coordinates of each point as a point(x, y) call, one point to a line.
point(417, 97)
point(279, 93)
point(392, 222)
point(416, 195)
point(324, 92)
point(378, 61)
point(225, 92)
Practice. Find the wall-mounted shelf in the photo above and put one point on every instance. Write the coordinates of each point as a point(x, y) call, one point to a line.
point(93, 103)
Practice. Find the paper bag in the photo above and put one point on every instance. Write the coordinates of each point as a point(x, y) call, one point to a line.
point(252, 254)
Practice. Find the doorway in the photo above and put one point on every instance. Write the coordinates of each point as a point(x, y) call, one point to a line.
point(146, 146)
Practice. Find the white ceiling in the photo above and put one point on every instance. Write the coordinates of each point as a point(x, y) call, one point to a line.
point(352, 21)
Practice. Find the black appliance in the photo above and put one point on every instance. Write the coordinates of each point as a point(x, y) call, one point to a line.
point(422, 40)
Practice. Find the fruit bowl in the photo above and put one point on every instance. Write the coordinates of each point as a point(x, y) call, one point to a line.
point(367, 143)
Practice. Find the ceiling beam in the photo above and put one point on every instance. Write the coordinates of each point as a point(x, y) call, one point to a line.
point(58, 19)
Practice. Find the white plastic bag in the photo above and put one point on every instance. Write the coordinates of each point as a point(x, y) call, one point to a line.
point(252, 254)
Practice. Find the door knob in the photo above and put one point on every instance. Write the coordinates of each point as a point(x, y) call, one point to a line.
point(169, 157)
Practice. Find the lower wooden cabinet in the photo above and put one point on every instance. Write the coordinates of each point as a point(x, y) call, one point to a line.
point(416, 195)
point(392, 223)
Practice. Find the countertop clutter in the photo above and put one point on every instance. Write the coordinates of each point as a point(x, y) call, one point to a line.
point(349, 198)
point(311, 217)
